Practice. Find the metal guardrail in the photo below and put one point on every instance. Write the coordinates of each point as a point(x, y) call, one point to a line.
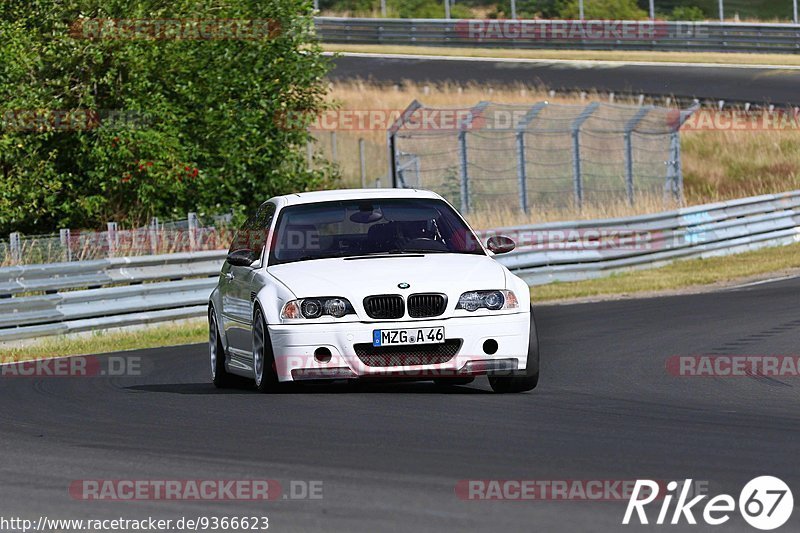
point(34, 300)
point(572, 251)
point(560, 34)
point(109, 293)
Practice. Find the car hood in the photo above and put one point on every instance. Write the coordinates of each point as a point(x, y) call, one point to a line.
point(356, 278)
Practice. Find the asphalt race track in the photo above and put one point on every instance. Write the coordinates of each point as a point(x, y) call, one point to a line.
point(758, 86)
point(389, 456)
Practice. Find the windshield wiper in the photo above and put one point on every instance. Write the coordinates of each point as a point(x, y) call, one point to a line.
point(421, 251)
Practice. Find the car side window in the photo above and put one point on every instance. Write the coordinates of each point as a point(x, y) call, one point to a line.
point(254, 232)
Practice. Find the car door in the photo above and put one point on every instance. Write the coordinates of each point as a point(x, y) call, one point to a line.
point(238, 282)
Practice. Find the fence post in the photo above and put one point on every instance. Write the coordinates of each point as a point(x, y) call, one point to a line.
point(66, 243)
point(464, 127)
point(154, 236)
point(391, 140)
point(674, 170)
point(674, 165)
point(309, 155)
point(629, 127)
point(333, 147)
point(462, 156)
point(576, 152)
point(522, 176)
point(111, 235)
point(16, 248)
point(193, 225)
point(521, 172)
point(363, 161)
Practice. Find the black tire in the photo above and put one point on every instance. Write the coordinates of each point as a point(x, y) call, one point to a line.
point(263, 358)
point(220, 376)
point(454, 381)
point(527, 381)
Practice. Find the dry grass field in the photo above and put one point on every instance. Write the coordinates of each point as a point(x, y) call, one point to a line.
point(717, 165)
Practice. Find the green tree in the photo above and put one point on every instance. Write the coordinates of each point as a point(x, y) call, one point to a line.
point(175, 124)
point(687, 13)
point(604, 9)
point(531, 8)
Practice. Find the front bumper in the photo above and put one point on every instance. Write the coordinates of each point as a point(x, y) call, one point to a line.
point(294, 346)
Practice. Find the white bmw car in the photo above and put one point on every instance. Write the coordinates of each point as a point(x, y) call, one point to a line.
point(373, 283)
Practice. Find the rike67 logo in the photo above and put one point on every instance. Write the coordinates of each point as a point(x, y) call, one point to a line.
point(765, 503)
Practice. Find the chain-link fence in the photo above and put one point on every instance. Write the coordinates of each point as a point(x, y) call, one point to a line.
point(546, 155)
point(187, 235)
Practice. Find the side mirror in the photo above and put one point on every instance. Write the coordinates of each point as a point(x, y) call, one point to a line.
point(241, 258)
point(500, 244)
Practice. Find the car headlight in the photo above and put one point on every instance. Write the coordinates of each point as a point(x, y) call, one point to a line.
point(492, 300)
point(310, 308)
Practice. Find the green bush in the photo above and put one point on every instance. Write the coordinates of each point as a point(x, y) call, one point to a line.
point(692, 13)
point(206, 133)
point(604, 10)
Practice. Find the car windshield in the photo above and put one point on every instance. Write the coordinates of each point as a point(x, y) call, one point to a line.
point(356, 228)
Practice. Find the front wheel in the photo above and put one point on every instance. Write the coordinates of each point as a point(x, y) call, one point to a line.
point(219, 374)
point(264, 371)
point(528, 381)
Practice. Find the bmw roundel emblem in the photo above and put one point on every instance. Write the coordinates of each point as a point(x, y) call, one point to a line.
point(403, 285)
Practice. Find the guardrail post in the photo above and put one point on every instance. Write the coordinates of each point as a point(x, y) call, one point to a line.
point(64, 235)
point(193, 225)
point(363, 161)
point(111, 237)
point(629, 127)
point(16, 248)
point(576, 152)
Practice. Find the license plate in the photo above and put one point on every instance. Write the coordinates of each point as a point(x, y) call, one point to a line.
point(405, 337)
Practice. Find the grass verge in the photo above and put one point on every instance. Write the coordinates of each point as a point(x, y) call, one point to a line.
point(784, 60)
point(97, 342)
point(681, 275)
